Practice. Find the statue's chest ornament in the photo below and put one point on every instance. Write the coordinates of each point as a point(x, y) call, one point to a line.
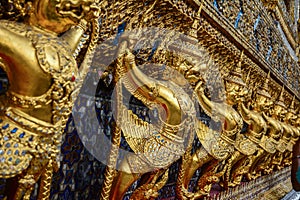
point(55, 59)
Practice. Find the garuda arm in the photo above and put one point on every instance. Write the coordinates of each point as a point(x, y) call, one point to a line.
point(204, 102)
point(244, 112)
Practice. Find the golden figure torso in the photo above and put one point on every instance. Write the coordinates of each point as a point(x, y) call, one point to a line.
point(233, 122)
point(257, 126)
point(270, 141)
point(43, 60)
point(41, 71)
point(293, 139)
point(248, 143)
point(275, 128)
point(38, 55)
point(232, 126)
point(287, 132)
point(220, 145)
point(286, 136)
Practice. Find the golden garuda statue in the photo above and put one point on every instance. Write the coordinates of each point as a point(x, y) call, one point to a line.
point(46, 49)
point(216, 147)
point(38, 51)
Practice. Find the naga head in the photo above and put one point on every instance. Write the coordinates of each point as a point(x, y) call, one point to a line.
point(59, 15)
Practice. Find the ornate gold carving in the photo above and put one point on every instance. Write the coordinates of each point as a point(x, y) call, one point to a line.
point(156, 147)
point(42, 73)
point(43, 51)
point(216, 146)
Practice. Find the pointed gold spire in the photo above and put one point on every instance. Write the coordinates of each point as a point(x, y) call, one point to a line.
point(235, 75)
point(280, 100)
point(248, 76)
point(266, 83)
point(264, 89)
point(292, 106)
point(239, 65)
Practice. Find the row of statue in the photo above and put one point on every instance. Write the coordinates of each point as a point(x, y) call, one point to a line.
point(40, 57)
point(265, 146)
